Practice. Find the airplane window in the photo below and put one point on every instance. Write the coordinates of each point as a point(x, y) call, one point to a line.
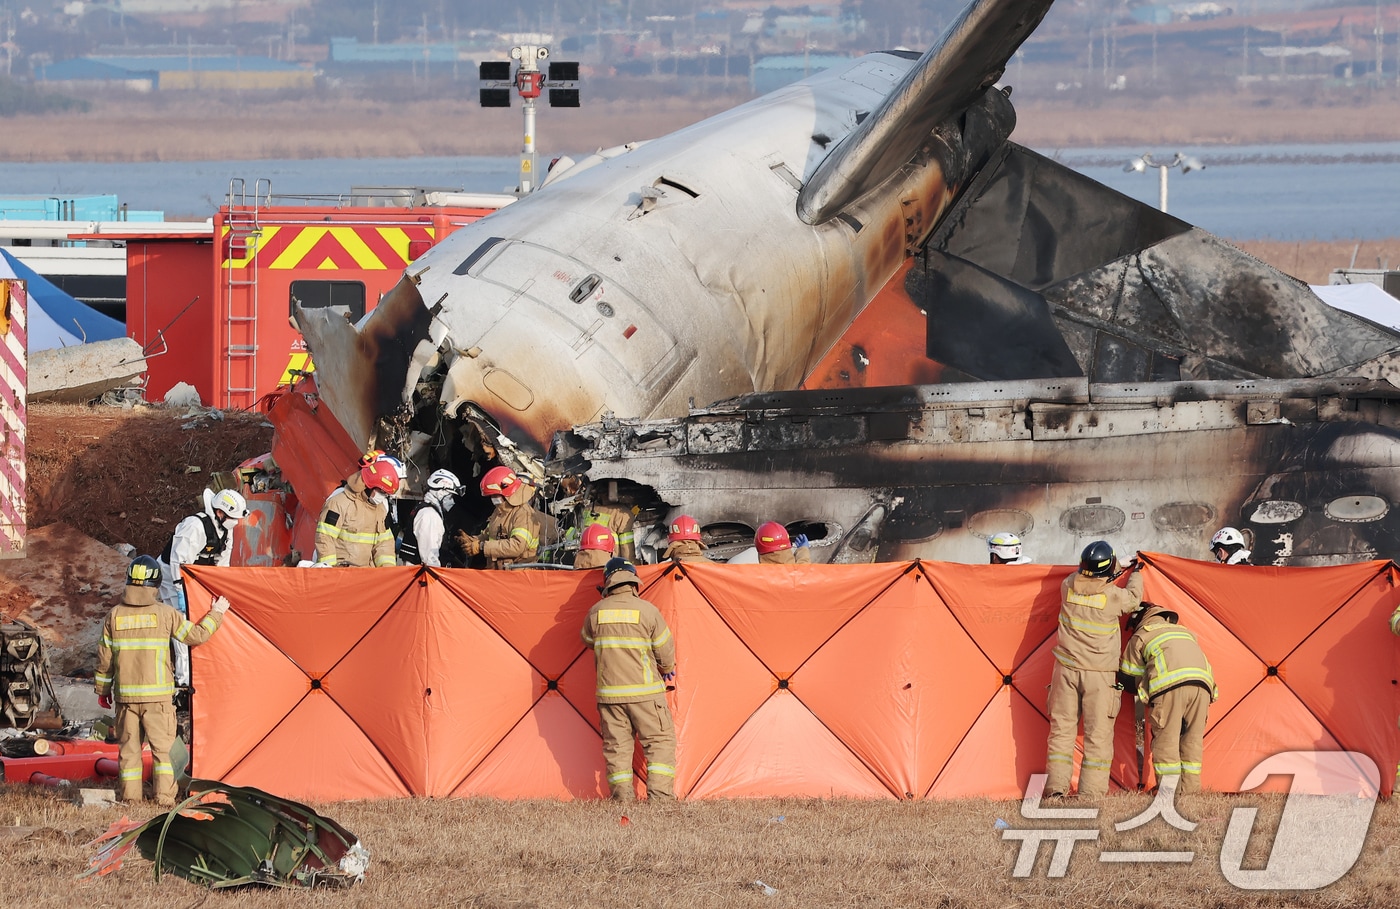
point(1183, 516)
point(995, 520)
point(1086, 520)
point(1357, 509)
point(475, 257)
point(1277, 511)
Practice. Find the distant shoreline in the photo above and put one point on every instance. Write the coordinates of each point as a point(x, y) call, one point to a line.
point(177, 128)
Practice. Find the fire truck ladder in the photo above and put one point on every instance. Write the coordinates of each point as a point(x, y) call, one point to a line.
point(241, 291)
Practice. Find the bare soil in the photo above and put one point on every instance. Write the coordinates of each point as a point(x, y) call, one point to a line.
point(129, 476)
point(815, 854)
point(172, 127)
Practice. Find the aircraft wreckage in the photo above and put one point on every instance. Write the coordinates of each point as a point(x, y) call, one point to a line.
point(918, 332)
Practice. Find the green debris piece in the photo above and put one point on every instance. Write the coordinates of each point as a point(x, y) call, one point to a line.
point(230, 836)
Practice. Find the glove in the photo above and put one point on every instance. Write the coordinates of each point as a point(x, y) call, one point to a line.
point(104, 701)
point(470, 544)
point(800, 541)
point(220, 605)
point(669, 676)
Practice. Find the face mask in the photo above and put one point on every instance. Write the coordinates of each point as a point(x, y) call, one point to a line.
point(497, 500)
point(448, 501)
point(377, 497)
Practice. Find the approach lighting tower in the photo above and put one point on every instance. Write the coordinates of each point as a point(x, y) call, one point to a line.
point(529, 83)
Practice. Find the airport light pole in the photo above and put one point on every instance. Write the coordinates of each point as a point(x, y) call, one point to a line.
point(1142, 162)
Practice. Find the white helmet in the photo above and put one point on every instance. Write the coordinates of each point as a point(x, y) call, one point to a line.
point(1005, 545)
point(227, 501)
point(1227, 536)
point(445, 480)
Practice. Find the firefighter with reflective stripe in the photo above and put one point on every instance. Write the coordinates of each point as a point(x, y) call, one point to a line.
point(620, 520)
point(683, 543)
point(513, 531)
point(636, 658)
point(200, 539)
point(596, 548)
point(1174, 678)
point(353, 529)
point(134, 672)
point(1083, 683)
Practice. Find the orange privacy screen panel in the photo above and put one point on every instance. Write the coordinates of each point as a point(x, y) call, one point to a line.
point(898, 680)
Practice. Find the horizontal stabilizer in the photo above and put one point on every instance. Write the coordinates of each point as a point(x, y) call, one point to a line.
point(969, 57)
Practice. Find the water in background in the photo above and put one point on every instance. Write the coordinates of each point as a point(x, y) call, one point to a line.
point(1287, 192)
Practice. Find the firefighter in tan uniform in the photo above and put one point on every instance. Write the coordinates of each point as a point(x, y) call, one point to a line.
point(353, 529)
point(776, 548)
point(596, 547)
point(1175, 680)
point(620, 521)
point(513, 531)
point(134, 671)
point(636, 657)
point(683, 543)
point(1086, 660)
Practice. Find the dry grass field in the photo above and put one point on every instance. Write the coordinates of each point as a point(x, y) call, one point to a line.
point(1311, 261)
point(173, 127)
point(484, 853)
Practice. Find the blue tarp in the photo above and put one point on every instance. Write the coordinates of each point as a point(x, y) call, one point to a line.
point(63, 320)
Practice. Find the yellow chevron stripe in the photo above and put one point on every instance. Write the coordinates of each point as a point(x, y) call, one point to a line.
point(296, 250)
point(355, 245)
point(397, 238)
point(255, 242)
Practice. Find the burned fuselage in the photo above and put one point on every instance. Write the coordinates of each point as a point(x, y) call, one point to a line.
point(1308, 467)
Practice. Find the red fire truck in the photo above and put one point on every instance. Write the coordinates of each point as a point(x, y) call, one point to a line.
point(213, 307)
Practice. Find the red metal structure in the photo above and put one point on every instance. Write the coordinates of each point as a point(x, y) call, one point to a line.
point(213, 307)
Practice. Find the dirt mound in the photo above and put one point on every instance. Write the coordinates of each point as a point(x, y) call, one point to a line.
point(129, 476)
point(64, 587)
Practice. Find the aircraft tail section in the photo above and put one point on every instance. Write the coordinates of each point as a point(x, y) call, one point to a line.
point(969, 57)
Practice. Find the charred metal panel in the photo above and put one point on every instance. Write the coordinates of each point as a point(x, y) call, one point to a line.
point(967, 305)
point(1154, 466)
point(1133, 294)
point(1037, 222)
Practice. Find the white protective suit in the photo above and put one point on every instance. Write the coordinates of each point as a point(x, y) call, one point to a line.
point(191, 539)
point(429, 527)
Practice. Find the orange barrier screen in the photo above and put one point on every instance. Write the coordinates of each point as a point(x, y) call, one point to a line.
point(899, 680)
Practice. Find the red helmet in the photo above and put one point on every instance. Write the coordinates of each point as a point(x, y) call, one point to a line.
point(380, 475)
point(499, 481)
point(684, 527)
point(771, 537)
point(598, 536)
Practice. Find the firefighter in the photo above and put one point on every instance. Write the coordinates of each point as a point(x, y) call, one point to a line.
point(134, 671)
point(683, 543)
point(775, 548)
point(353, 529)
point(636, 659)
point(1086, 660)
point(429, 523)
point(596, 547)
point(620, 521)
point(200, 539)
point(1174, 679)
point(512, 534)
point(1004, 548)
point(1228, 547)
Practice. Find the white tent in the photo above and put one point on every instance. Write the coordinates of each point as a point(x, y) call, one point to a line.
point(1365, 300)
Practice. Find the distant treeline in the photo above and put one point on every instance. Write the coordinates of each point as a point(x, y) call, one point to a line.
point(23, 98)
